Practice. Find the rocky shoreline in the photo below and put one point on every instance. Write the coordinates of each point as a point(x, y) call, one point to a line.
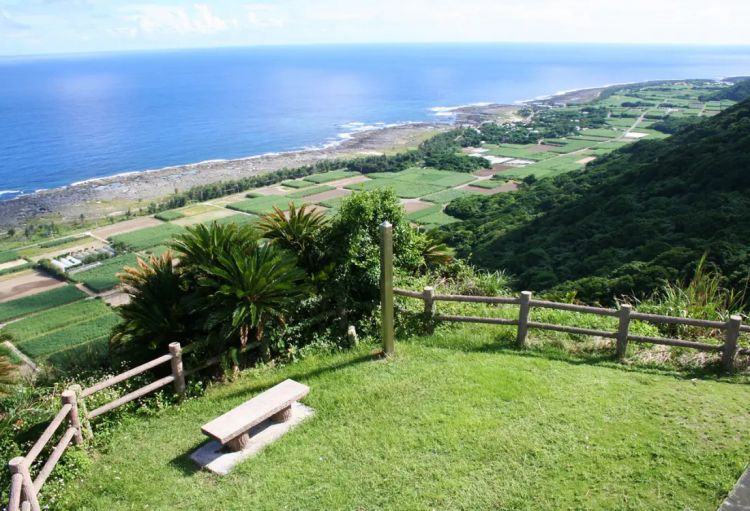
point(109, 196)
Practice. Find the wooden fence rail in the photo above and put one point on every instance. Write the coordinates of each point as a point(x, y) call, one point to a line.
point(729, 349)
point(24, 490)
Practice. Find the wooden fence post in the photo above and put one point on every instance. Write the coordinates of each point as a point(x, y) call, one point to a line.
point(730, 342)
point(83, 412)
point(68, 397)
point(386, 286)
point(429, 308)
point(523, 318)
point(622, 331)
point(177, 370)
point(18, 466)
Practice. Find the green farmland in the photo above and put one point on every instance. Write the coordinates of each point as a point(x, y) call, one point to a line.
point(39, 302)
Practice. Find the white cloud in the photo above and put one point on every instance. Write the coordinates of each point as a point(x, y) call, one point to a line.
point(167, 20)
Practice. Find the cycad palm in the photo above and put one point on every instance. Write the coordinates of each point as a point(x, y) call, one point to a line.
point(300, 231)
point(157, 313)
point(202, 244)
point(246, 289)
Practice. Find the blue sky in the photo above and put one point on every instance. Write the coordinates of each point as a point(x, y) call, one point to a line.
point(61, 26)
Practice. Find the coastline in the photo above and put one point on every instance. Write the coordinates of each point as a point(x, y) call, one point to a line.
point(113, 195)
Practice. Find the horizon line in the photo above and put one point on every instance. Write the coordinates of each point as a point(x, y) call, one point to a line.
point(380, 43)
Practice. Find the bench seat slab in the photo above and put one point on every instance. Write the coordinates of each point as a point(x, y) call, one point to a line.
point(274, 402)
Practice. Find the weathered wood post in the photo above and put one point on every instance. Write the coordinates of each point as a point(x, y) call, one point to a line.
point(730, 342)
point(68, 397)
point(177, 370)
point(83, 412)
point(386, 286)
point(428, 294)
point(623, 330)
point(18, 466)
point(523, 318)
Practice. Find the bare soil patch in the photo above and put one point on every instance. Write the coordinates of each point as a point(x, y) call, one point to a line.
point(330, 194)
point(415, 205)
point(541, 148)
point(117, 299)
point(215, 214)
point(586, 160)
point(499, 167)
point(27, 284)
point(12, 264)
point(126, 226)
point(272, 190)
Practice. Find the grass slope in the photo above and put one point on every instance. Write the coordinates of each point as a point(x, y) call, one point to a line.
point(456, 421)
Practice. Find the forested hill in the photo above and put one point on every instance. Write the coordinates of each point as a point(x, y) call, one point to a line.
point(631, 220)
point(740, 91)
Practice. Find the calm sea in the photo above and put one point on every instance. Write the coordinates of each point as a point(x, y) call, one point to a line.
point(72, 118)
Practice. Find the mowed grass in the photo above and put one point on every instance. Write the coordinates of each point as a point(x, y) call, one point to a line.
point(547, 168)
point(104, 277)
point(149, 237)
point(403, 189)
point(39, 302)
point(459, 420)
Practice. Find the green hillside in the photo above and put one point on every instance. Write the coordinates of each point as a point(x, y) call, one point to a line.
point(626, 223)
point(740, 91)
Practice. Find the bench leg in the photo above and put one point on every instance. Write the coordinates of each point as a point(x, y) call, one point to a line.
point(283, 416)
point(239, 443)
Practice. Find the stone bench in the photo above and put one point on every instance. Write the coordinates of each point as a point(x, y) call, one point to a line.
point(232, 428)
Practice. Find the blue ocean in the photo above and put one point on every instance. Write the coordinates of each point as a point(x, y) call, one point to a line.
point(65, 119)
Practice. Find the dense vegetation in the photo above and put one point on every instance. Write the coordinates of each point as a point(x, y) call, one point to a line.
point(631, 221)
point(740, 91)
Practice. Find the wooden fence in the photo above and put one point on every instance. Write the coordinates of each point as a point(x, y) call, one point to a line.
point(24, 489)
point(625, 314)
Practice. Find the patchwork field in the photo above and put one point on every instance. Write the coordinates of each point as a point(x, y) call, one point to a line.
point(63, 328)
point(39, 302)
point(104, 277)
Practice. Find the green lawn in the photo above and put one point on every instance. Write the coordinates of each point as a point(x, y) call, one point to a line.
point(306, 192)
point(446, 196)
point(460, 420)
point(404, 189)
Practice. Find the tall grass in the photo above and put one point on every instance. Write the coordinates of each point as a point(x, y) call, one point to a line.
point(704, 296)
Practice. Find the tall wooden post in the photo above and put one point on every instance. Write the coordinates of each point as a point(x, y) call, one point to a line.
point(68, 397)
point(523, 318)
point(623, 329)
point(177, 370)
point(429, 308)
point(730, 342)
point(386, 286)
point(18, 466)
